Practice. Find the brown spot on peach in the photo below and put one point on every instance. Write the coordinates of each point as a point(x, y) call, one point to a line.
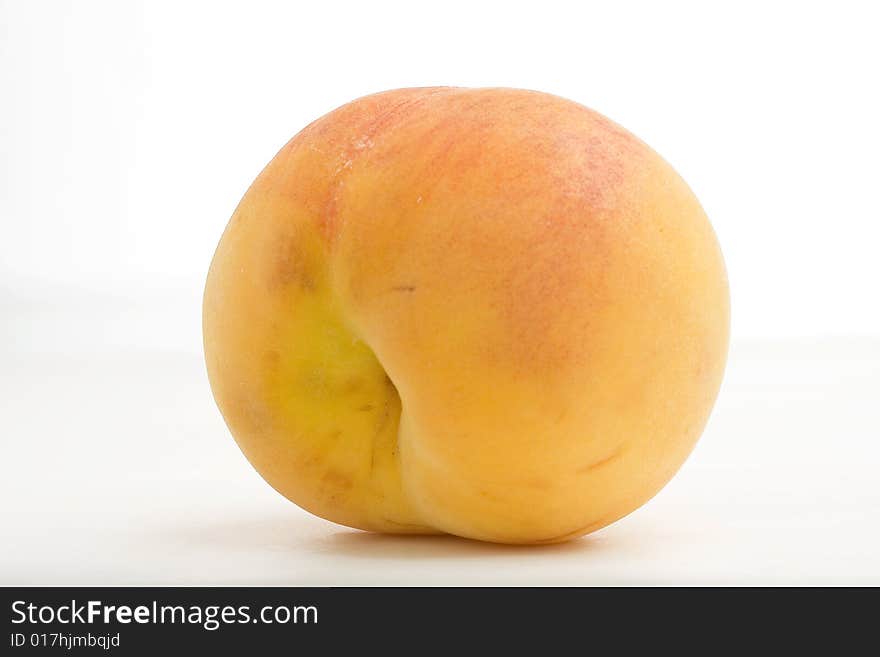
point(293, 267)
point(603, 461)
point(338, 480)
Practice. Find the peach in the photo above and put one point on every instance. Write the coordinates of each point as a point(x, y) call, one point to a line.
point(486, 312)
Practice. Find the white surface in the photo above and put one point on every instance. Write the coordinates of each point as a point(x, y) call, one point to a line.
point(118, 469)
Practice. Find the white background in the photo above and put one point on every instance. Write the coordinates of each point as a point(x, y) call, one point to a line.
point(129, 131)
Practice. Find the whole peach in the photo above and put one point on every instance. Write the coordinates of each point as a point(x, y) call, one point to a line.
point(487, 312)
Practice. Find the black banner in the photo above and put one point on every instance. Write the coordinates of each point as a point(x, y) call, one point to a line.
point(133, 621)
